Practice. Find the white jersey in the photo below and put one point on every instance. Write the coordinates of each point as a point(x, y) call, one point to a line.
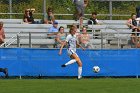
point(71, 40)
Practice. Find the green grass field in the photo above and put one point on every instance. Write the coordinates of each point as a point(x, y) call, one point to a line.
point(101, 85)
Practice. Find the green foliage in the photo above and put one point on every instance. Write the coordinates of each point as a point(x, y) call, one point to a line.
point(67, 7)
point(17, 1)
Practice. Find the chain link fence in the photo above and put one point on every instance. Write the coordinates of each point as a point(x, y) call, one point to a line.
point(63, 9)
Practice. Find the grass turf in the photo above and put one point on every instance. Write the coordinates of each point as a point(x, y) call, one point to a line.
point(103, 85)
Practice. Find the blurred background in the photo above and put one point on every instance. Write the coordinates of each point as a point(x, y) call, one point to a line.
point(63, 9)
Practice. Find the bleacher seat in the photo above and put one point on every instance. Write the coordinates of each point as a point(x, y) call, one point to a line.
point(109, 29)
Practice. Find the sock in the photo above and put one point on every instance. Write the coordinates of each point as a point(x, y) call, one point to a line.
point(70, 62)
point(79, 71)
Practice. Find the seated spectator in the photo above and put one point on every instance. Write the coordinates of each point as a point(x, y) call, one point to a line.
point(2, 34)
point(60, 37)
point(132, 22)
point(53, 30)
point(49, 19)
point(93, 19)
point(135, 41)
point(28, 16)
point(84, 39)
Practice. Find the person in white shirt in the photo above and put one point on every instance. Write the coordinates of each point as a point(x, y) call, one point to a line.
point(71, 42)
point(93, 20)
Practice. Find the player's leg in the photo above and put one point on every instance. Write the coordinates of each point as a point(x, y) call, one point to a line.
point(75, 56)
point(69, 62)
point(70, 53)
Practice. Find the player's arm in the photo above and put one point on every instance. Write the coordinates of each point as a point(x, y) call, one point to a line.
point(62, 45)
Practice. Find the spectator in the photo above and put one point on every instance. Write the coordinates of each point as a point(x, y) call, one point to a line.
point(84, 39)
point(132, 22)
point(80, 7)
point(49, 18)
point(53, 30)
point(2, 34)
point(28, 16)
point(135, 41)
point(93, 19)
point(60, 37)
point(5, 71)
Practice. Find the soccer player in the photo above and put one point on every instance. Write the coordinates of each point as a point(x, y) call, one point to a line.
point(71, 40)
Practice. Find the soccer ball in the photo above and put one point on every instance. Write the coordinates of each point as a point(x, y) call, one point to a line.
point(96, 69)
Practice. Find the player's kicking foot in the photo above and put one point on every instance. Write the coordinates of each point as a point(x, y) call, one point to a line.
point(79, 77)
point(63, 65)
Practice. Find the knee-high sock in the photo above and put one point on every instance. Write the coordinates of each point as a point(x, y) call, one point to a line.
point(79, 71)
point(70, 62)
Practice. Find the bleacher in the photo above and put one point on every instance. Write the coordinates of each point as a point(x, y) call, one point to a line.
point(113, 33)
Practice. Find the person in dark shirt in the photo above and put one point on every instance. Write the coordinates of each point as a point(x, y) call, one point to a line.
point(28, 16)
point(93, 19)
point(132, 22)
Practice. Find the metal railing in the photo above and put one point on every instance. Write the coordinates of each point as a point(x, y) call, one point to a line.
point(100, 39)
point(10, 41)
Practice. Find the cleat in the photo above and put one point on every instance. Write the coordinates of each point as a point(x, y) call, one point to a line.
point(5, 72)
point(63, 65)
point(79, 77)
